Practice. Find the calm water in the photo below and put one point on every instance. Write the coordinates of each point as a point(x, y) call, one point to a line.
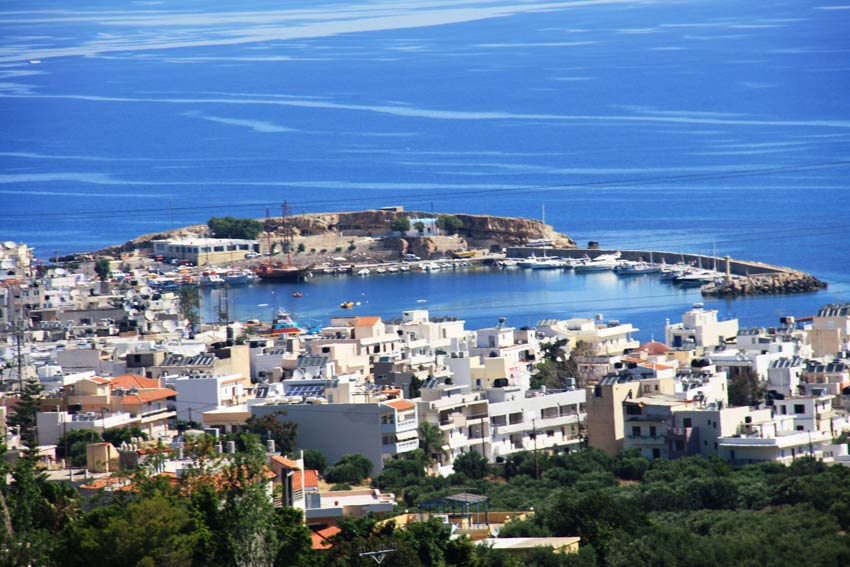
point(677, 125)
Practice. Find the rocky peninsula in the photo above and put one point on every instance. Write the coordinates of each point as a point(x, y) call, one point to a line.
point(368, 236)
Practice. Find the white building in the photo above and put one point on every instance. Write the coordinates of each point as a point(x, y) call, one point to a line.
point(700, 327)
point(199, 393)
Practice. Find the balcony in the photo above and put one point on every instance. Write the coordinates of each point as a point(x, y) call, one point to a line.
point(399, 426)
point(400, 447)
point(647, 439)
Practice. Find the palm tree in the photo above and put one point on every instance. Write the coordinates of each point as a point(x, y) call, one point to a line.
point(431, 442)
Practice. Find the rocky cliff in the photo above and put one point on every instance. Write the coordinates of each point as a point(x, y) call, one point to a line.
point(477, 231)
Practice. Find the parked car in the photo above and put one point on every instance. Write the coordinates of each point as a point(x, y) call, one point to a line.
point(252, 255)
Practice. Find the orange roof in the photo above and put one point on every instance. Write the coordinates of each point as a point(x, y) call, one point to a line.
point(400, 405)
point(655, 366)
point(149, 396)
point(99, 380)
point(320, 538)
point(288, 463)
point(131, 381)
point(311, 480)
point(365, 321)
point(654, 348)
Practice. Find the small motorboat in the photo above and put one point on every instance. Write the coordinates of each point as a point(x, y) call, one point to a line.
point(297, 294)
point(346, 305)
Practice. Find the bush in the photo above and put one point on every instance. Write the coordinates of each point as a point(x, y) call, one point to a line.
point(350, 469)
point(472, 465)
point(232, 227)
point(340, 487)
point(76, 441)
point(315, 460)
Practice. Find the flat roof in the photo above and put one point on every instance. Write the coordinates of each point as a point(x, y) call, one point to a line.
point(529, 542)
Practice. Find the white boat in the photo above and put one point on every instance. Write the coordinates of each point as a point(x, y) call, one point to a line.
point(210, 279)
point(239, 277)
point(363, 272)
point(636, 269)
point(381, 270)
point(696, 278)
point(602, 263)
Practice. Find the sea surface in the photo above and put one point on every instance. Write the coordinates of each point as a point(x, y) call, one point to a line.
point(674, 125)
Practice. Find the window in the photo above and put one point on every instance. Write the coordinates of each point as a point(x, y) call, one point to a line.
point(635, 430)
point(686, 422)
point(799, 428)
point(652, 431)
point(680, 445)
point(784, 410)
point(799, 408)
point(656, 453)
point(633, 409)
point(550, 433)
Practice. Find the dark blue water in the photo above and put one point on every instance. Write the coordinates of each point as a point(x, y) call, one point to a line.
point(673, 125)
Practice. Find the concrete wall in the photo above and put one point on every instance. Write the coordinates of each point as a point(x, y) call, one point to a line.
point(335, 429)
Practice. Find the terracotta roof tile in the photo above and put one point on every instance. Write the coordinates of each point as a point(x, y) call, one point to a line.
point(149, 396)
point(365, 321)
point(320, 538)
point(311, 480)
point(132, 381)
point(400, 405)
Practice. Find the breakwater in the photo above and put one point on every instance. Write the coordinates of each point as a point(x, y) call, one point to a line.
point(750, 277)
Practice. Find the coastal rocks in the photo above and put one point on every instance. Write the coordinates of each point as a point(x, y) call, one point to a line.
point(766, 284)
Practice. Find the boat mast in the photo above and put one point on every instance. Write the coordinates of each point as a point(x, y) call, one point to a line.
point(269, 235)
point(287, 233)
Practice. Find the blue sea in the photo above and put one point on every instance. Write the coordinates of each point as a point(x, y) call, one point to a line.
point(675, 125)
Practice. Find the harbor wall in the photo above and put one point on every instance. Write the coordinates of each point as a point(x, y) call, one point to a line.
point(737, 267)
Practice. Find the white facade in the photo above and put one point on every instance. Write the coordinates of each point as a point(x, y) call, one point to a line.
point(199, 394)
point(700, 327)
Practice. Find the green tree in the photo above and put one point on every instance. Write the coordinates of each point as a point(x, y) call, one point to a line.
point(148, 533)
point(102, 268)
point(472, 465)
point(301, 247)
point(76, 441)
point(450, 224)
point(349, 469)
point(26, 411)
point(414, 390)
point(232, 227)
point(420, 227)
point(431, 442)
point(315, 460)
point(745, 388)
point(272, 426)
point(190, 304)
point(400, 224)
point(118, 435)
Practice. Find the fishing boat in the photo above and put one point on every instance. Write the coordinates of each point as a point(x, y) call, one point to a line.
point(210, 279)
point(283, 324)
point(239, 277)
point(346, 305)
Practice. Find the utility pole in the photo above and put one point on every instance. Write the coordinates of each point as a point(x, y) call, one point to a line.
point(19, 339)
point(536, 460)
